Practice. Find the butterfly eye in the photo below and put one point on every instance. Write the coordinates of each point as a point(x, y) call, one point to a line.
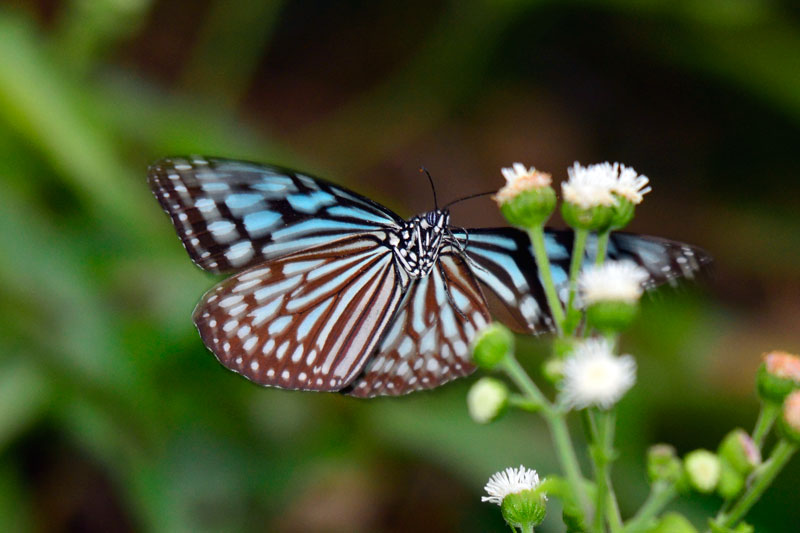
point(431, 218)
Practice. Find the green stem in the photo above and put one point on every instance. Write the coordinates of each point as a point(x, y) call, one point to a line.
point(568, 459)
point(578, 249)
point(660, 495)
point(558, 429)
point(527, 528)
point(764, 476)
point(536, 235)
point(601, 456)
point(766, 417)
point(518, 375)
point(612, 509)
point(602, 247)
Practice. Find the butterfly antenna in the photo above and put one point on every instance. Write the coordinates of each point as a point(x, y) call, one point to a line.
point(470, 197)
point(433, 188)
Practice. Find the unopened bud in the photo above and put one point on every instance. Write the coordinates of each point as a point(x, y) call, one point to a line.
point(790, 418)
point(673, 523)
point(491, 345)
point(739, 451)
point(703, 470)
point(663, 464)
point(778, 375)
point(487, 399)
point(731, 481)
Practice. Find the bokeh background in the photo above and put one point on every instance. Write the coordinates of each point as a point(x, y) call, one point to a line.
point(113, 416)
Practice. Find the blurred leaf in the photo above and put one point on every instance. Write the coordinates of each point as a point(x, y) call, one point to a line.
point(23, 394)
point(231, 42)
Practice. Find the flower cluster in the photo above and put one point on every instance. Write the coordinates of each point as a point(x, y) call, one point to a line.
point(590, 306)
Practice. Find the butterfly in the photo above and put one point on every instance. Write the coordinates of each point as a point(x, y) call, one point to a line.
point(332, 291)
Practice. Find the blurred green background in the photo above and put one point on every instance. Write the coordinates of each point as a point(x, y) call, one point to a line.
point(113, 416)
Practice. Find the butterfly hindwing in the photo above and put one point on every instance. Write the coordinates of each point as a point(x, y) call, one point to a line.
point(231, 215)
point(307, 321)
point(428, 342)
point(501, 259)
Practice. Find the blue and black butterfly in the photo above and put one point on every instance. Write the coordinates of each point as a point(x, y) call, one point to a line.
point(334, 292)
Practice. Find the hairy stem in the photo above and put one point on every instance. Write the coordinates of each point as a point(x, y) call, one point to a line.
point(601, 456)
point(578, 248)
point(558, 429)
point(536, 235)
point(602, 247)
point(766, 417)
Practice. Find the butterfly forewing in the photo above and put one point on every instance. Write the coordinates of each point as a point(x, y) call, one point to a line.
point(307, 321)
point(502, 259)
point(665, 260)
point(231, 215)
point(428, 342)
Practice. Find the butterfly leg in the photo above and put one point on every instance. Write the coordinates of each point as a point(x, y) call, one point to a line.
point(447, 291)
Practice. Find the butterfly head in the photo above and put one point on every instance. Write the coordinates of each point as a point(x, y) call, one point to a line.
point(416, 245)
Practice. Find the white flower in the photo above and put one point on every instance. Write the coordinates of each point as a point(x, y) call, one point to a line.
point(510, 481)
point(630, 185)
point(590, 186)
point(593, 375)
point(486, 400)
point(520, 179)
point(612, 281)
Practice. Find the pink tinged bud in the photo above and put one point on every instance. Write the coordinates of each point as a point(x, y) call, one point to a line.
point(790, 418)
point(778, 375)
point(739, 451)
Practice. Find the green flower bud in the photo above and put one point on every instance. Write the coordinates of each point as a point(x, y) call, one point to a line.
point(702, 468)
point(611, 316)
point(731, 481)
point(595, 218)
point(553, 370)
point(622, 213)
point(663, 464)
point(491, 345)
point(524, 508)
point(790, 418)
point(673, 523)
point(529, 208)
point(563, 346)
point(527, 200)
point(487, 399)
point(778, 375)
point(739, 451)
